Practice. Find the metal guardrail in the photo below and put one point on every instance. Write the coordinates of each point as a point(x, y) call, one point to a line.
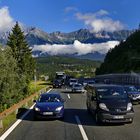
point(15, 107)
point(124, 79)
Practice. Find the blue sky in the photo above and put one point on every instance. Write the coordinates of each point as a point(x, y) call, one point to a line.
point(70, 15)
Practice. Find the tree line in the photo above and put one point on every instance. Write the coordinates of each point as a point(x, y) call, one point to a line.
point(49, 65)
point(124, 58)
point(16, 69)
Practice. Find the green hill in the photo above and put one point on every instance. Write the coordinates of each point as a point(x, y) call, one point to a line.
point(73, 66)
point(123, 58)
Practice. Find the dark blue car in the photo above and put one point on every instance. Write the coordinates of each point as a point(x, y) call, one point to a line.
point(133, 93)
point(49, 105)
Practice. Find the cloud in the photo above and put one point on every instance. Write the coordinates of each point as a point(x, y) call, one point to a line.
point(100, 21)
point(6, 21)
point(76, 47)
point(70, 8)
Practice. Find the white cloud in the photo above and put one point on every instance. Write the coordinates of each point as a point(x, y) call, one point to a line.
point(76, 47)
point(6, 21)
point(100, 21)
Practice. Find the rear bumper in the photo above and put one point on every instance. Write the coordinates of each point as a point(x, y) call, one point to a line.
point(109, 118)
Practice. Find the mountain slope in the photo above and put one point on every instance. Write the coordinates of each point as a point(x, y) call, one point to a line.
point(35, 36)
point(123, 58)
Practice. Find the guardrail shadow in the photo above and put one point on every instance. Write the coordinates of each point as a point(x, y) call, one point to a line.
point(86, 119)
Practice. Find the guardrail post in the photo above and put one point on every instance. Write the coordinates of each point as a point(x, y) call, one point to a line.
point(26, 104)
point(16, 111)
point(1, 124)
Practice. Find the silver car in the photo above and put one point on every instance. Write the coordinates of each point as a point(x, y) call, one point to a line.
point(78, 88)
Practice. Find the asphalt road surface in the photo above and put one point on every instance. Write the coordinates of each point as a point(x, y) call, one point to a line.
point(77, 124)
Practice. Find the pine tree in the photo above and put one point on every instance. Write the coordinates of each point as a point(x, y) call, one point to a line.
point(22, 53)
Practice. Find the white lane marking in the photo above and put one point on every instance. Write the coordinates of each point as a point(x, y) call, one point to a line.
point(68, 96)
point(49, 90)
point(4, 136)
point(81, 128)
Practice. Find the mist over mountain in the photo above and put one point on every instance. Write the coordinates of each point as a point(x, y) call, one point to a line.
point(81, 43)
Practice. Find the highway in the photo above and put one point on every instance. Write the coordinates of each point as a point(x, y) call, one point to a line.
point(77, 124)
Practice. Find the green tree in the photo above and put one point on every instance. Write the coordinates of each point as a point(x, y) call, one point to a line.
point(22, 53)
point(8, 79)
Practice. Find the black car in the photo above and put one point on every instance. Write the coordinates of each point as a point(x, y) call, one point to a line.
point(49, 105)
point(57, 83)
point(109, 103)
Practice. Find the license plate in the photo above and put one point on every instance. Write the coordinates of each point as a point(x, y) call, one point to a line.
point(47, 113)
point(118, 117)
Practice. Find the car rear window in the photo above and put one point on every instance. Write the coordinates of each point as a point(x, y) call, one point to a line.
point(131, 89)
point(110, 92)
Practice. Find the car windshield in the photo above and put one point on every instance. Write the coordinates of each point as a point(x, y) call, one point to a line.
point(50, 98)
point(130, 89)
point(110, 92)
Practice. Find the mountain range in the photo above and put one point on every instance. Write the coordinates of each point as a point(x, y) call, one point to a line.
point(35, 36)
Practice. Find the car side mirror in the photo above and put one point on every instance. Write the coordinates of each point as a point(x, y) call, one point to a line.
point(34, 101)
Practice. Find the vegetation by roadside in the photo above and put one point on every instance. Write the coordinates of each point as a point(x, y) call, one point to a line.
point(10, 119)
point(17, 69)
point(71, 66)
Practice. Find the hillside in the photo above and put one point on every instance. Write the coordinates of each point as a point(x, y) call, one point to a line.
point(123, 58)
point(73, 66)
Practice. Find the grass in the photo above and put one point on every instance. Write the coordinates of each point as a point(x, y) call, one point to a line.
point(7, 121)
point(10, 119)
point(36, 86)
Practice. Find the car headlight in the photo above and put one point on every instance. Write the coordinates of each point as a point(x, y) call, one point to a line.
point(103, 107)
point(129, 106)
point(37, 109)
point(58, 108)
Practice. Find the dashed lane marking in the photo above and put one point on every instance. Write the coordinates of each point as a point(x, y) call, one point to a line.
point(81, 128)
point(68, 96)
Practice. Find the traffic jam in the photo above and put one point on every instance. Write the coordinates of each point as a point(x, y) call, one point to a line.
point(106, 103)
